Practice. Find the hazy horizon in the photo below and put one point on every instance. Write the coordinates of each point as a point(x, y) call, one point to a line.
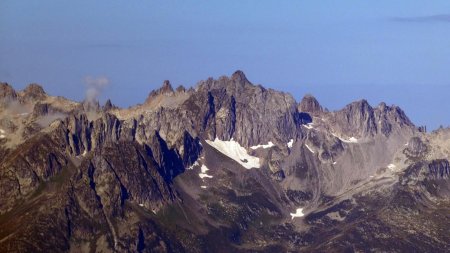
point(392, 52)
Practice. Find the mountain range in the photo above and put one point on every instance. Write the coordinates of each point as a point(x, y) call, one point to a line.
point(225, 166)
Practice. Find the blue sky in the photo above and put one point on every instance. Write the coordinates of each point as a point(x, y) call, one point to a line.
point(339, 51)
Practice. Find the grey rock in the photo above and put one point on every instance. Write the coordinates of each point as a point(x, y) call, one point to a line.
point(310, 105)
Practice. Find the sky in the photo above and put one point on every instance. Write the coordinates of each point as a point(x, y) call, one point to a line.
point(339, 51)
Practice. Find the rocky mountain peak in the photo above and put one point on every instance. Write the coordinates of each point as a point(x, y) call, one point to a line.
point(359, 118)
point(7, 92)
point(232, 107)
point(360, 109)
point(356, 118)
point(166, 87)
point(382, 106)
point(310, 104)
point(239, 77)
point(362, 104)
point(109, 105)
point(180, 88)
point(34, 91)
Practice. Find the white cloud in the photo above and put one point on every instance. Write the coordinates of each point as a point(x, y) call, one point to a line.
point(94, 87)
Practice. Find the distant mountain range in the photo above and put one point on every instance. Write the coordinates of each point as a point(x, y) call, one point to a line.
point(226, 166)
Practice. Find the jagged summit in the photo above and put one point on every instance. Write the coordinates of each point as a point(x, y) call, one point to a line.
point(33, 92)
point(310, 104)
point(166, 87)
point(34, 89)
point(6, 91)
point(239, 77)
point(109, 105)
point(180, 88)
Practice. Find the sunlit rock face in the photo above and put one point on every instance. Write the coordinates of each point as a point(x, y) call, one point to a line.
point(225, 166)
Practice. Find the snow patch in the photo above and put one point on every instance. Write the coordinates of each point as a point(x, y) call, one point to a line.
point(84, 153)
point(298, 213)
point(349, 140)
point(334, 162)
point(268, 145)
point(310, 149)
point(2, 136)
point(391, 166)
point(236, 152)
point(352, 139)
point(193, 165)
point(203, 186)
point(309, 126)
point(2, 131)
point(203, 174)
point(290, 143)
point(141, 204)
point(204, 169)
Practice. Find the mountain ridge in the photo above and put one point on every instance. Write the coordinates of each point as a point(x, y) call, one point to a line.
point(225, 166)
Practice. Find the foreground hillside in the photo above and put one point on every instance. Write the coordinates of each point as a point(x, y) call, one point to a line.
point(227, 166)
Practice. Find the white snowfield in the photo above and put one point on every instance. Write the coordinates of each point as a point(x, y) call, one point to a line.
point(268, 145)
point(203, 186)
point(290, 143)
point(203, 174)
point(310, 149)
point(350, 140)
point(236, 152)
point(298, 213)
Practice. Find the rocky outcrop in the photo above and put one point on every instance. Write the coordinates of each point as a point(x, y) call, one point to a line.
point(109, 106)
point(169, 161)
point(357, 118)
point(166, 89)
point(391, 118)
point(33, 92)
point(439, 169)
point(128, 172)
point(309, 104)
point(190, 149)
point(416, 149)
point(7, 93)
point(28, 167)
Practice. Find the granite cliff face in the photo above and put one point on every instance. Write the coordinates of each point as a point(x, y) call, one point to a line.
point(226, 166)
